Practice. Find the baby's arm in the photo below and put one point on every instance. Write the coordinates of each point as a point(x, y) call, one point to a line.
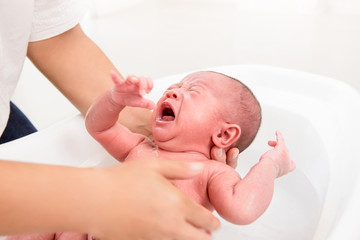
point(242, 201)
point(102, 118)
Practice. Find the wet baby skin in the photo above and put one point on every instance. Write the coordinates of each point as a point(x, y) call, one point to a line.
point(188, 120)
point(186, 123)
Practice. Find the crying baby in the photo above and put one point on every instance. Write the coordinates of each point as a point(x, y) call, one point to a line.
point(203, 110)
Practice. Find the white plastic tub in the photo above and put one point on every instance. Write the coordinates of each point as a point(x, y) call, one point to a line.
point(320, 120)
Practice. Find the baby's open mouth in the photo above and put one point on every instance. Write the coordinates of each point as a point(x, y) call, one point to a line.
point(167, 113)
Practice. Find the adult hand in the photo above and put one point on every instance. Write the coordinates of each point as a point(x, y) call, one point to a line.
point(147, 205)
point(230, 157)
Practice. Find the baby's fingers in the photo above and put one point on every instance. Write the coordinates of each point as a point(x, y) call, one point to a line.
point(115, 77)
point(272, 143)
point(149, 84)
point(143, 84)
point(279, 138)
point(146, 84)
point(133, 80)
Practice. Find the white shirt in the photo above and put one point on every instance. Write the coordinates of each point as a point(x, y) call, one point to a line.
point(23, 21)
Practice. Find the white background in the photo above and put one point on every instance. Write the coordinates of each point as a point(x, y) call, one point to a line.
point(161, 37)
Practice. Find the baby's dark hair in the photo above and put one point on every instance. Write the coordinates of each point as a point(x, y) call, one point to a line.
point(247, 114)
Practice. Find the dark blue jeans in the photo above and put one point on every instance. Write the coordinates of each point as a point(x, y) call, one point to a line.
point(18, 125)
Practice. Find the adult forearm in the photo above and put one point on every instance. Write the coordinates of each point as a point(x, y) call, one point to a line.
point(74, 64)
point(81, 71)
point(42, 198)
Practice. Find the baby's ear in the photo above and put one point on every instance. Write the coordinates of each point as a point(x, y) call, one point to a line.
point(227, 135)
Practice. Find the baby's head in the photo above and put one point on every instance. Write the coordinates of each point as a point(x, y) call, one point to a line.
point(206, 109)
point(244, 110)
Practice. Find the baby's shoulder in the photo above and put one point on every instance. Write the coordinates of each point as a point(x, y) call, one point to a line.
point(216, 168)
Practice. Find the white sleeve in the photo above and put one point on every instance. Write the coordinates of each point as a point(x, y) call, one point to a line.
point(53, 17)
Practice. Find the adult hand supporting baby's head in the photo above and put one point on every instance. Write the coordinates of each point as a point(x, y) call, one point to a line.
point(230, 157)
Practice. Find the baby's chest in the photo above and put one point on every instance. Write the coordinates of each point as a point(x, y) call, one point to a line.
point(196, 187)
point(146, 149)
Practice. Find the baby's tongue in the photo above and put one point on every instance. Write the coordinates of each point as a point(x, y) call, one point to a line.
point(168, 118)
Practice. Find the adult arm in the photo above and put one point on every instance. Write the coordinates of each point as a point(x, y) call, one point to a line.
point(42, 198)
point(80, 70)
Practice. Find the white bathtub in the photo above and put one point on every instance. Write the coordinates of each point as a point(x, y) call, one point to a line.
point(320, 120)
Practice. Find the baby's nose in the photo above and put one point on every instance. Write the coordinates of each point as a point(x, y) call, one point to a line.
point(173, 93)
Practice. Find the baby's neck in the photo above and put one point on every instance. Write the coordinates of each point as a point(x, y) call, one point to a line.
point(185, 150)
point(183, 155)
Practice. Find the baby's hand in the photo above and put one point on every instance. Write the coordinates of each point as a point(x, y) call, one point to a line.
point(131, 91)
point(279, 156)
